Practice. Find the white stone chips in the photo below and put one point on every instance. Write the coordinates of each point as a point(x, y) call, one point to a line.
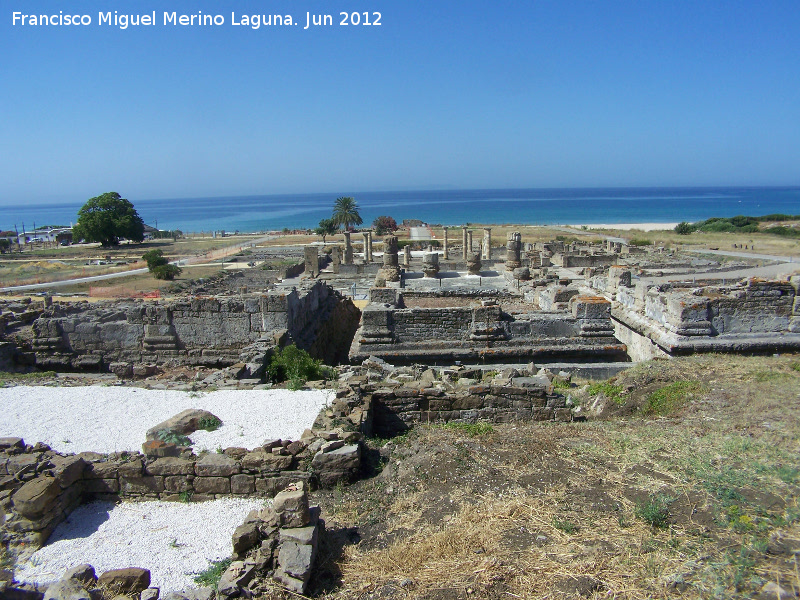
point(174, 541)
point(115, 418)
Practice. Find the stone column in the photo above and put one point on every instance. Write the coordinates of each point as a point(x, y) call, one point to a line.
point(513, 246)
point(348, 249)
point(487, 243)
point(445, 256)
point(469, 244)
point(391, 269)
point(407, 256)
point(311, 261)
point(464, 250)
point(474, 263)
point(369, 245)
point(366, 246)
point(336, 257)
point(430, 264)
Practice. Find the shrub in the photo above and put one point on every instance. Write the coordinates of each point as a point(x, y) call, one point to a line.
point(295, 366)
point(209, 423)
point(166, 272)
point(471, 429)
point(171, 437)
point(684, 228)
point(609, 390)
point(384, 225)
point(655, 512)
point(636, 242)
point(211, 576)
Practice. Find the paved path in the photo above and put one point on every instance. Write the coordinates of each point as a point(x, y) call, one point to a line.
point(419, 233)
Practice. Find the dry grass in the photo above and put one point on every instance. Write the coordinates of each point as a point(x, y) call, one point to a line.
point(572, 510)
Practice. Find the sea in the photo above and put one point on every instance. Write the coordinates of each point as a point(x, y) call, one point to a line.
point(538, 206)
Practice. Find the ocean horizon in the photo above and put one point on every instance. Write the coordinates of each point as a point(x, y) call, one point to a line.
point(538, 206)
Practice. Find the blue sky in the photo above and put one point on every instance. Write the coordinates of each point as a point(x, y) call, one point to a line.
point(443, 94)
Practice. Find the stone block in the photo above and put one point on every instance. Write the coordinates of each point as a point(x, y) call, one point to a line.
point(101, 470)
point(159, 449)
point(171, 466)
point(292, 507)
point(185, 422)
point(21, 463)
point(101, 486)
point(216, 465)
point(337, 465)
point(141, 485)
point(131, 468)
point(11, 442)
point(245, 537)
point(296, 560)
point(36, 496)
point(242, 484)
point(212, 485)
point(177, 484)
point(84, 574)
point(66, 589)
point(307, 536)
point(235, 577)
point(132, 580)
point(68, 469)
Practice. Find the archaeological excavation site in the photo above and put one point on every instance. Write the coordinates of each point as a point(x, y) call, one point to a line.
point(457, 333)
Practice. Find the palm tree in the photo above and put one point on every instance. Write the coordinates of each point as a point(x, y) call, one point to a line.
point(345, 212)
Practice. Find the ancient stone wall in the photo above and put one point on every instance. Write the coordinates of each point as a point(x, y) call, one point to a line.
point(432, 323)
point(209, 331)
point(39, 487)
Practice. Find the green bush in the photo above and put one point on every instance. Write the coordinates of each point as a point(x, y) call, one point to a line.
point(209, 423)
point(171, 437)
point(655, 512)
point(166, 272)
point(211, 576)
point(639, 242)
point(295, 366)
point(684, 228)
point(609, 390)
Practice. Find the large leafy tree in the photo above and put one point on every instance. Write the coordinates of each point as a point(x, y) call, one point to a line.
point(384, 225)
point(107, 219)
point(326, 227)
point(345, 212)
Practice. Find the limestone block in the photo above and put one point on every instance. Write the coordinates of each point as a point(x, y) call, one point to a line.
point(216, 465)
point(171, 466)
point(244, 537)
point(150, 593)
point(83, 574)
point(235, 577)
point(141, 485)
point(292, 507)
point(337, 465)
point(242, 484)
point(212, 485)
point(66, 589)
point(132, 580)
point(36, 496)
point(304, 536)
point(185, 422)
point(296, 560)
point(176, 484)
point(131, 468)
point(101, 486)
point(159, 449)
point(68, 469)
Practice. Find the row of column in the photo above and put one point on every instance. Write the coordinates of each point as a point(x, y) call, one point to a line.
point(466, 251)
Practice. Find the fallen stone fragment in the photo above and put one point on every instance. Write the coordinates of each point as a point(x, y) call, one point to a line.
point(132, 580)
point(66, 589)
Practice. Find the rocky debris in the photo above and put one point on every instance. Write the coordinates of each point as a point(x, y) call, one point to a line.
point(83, 574)
point(279, 542)
point(67, 589)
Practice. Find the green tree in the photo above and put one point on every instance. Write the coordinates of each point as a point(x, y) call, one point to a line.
point(107, 219)
point(326, 227)
point(384, 225)
point(684, 228)
point(4, 245)
point(159, 266)
point(345, 212)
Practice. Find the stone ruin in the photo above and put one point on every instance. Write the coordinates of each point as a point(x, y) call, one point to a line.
point(278, 543)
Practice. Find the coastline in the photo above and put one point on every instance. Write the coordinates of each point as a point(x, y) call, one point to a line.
point(629, 226)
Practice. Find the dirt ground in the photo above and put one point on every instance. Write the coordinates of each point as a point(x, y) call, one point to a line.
point(685, 486)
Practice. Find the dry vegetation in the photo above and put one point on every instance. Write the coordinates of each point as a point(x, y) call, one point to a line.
point(688, 489)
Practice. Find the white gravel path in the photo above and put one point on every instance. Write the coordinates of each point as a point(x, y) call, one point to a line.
point(115, 418)
point(175, 541)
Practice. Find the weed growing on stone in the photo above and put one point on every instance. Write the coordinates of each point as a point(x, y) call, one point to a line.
point(174, 543)
point(170, 437)
point(655, 512)
point(210, 423)
point(185, 497)
point(211, 576)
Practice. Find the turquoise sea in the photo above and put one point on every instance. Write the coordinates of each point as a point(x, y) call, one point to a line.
point(451, 207)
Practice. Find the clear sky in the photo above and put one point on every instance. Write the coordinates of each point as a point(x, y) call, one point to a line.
point(450, 94)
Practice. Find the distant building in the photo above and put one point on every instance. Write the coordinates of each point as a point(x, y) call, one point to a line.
point(412, 223)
